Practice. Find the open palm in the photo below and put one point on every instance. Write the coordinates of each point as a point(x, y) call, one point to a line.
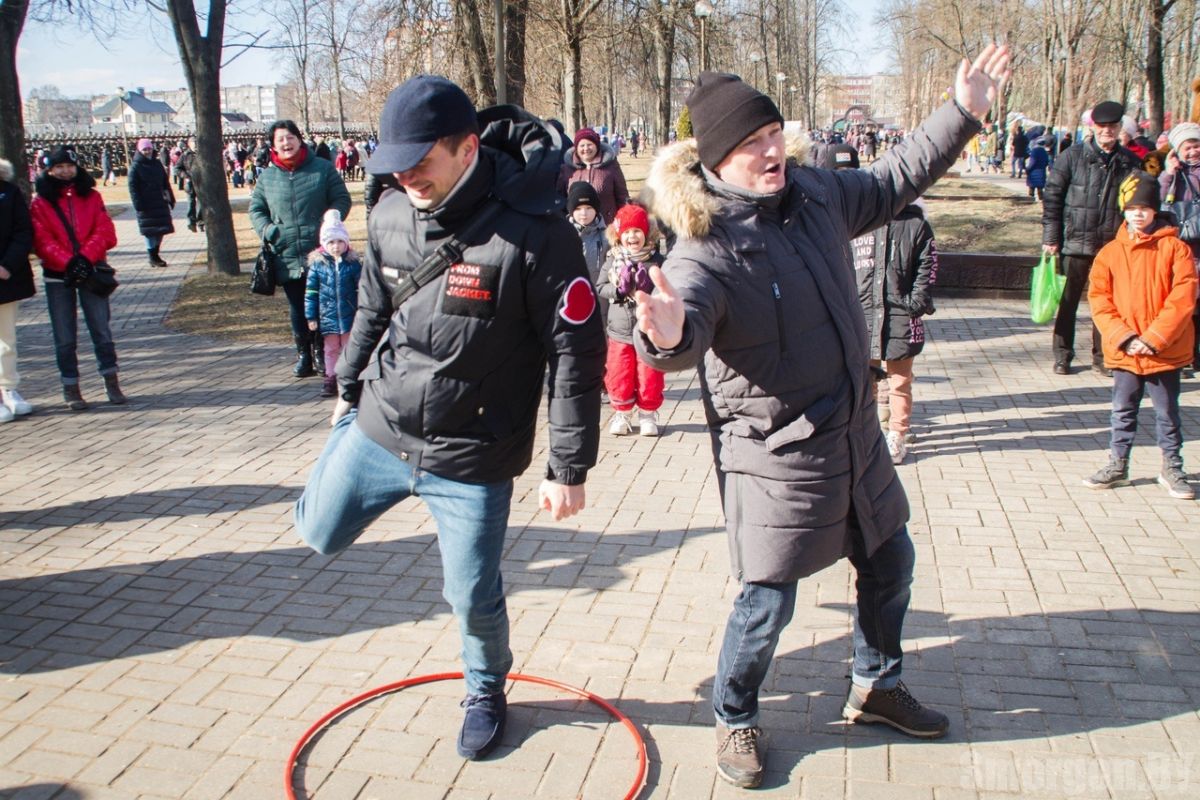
point(977, 85)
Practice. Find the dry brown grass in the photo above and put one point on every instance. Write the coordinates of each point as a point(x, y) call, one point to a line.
point(986, 226)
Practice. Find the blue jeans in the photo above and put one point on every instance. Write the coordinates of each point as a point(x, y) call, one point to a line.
point(762, 610)
point(61, 302)
point(356, 480)
point(1128, 390)
point(153, 241)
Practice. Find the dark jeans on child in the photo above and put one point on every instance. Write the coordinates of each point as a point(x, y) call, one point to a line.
point(1077, 269)
point(1128, 389)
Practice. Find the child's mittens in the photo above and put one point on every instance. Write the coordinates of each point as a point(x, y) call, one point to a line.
point(626, 280)
point(642, 280)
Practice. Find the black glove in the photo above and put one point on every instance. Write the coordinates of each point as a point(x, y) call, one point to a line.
point(78, 270)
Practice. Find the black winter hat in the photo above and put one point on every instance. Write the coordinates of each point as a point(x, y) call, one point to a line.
point(582, 193)
point(60, 155)
point(841, 156)
point(1108, 112)
point(1139, 189)
point(724, 111)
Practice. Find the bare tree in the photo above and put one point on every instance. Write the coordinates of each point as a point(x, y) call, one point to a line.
point(294, 23)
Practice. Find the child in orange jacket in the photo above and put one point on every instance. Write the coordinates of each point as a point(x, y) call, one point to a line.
point(1142, 294)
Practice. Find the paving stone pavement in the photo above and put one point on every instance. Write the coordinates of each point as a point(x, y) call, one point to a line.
point(165, 635)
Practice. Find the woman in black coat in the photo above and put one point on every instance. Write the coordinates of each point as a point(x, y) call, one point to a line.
point(16, 284)
point(153, 199)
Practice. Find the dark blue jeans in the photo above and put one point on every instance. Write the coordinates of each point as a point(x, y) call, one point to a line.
point(61, 302)
point(1128, 390)
point(762, 610)
point(294, 292)
point(356, 480)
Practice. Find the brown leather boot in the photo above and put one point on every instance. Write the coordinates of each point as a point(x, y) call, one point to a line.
point(114, 390)
point(73, 397)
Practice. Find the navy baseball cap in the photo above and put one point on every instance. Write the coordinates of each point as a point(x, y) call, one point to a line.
point(417, 113)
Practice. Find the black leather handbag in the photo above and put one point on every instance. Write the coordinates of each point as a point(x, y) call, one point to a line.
point(262, 279)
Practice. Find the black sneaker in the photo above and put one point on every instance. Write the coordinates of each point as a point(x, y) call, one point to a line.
point(740, 756)
point(895, 707)
point(1175, 482)
point(1114, 473)
point(483, 724)
point(1062, 367)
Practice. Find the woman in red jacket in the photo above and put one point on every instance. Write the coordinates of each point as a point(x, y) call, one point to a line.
point(72, 191)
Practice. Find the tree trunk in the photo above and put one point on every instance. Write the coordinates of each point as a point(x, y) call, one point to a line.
point(12, 110)
point(515, 14)
point(573, 82)
point(201, 57)
point(1155, 91)
point(476, 53)
point(663, 30)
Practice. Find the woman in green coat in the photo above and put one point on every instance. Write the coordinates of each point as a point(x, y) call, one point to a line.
point(289, 201)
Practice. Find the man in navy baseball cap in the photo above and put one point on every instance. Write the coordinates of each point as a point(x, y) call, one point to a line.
point(415, 116)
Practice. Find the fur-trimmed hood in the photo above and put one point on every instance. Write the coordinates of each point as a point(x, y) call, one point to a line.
point(675, 191)
point(49, 187)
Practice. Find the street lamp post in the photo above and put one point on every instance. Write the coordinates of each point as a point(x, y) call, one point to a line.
point(754, 59)
point(780, 77)
point(703, 11)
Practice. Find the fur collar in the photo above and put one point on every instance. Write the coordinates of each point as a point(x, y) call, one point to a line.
point(675, 191)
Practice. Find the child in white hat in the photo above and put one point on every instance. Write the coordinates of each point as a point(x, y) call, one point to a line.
point(331, 294)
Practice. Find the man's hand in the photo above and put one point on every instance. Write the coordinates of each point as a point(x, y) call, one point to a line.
point(660, 315)
point(1052, 249)
point(1172, 165)
point(340, 409)
point(561, 501)
point(977, 85)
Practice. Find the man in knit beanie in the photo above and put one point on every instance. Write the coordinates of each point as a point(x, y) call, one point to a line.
point(760, 289)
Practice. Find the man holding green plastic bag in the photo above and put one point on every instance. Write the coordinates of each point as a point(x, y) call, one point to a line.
point(1046, 290)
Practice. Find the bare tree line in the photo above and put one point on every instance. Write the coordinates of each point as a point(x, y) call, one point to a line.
point(1067, 54)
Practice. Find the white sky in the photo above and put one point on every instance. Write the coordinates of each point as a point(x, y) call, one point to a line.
point(144, 54)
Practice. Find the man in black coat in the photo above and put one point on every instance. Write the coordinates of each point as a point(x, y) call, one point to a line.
point(1079, 216)
point(439, 396)
point(186, 167)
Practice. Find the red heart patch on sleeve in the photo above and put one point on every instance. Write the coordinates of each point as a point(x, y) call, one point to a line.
point(579, 301)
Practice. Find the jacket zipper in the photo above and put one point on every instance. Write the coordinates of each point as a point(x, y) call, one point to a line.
point(779, 315)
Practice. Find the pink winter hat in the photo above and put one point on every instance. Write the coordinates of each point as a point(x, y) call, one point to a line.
point(142, 144)
point(332, 228)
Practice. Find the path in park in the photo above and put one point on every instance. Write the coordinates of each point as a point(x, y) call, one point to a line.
point(165, 635)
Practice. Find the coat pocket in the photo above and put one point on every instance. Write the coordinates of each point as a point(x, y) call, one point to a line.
point(810, 420)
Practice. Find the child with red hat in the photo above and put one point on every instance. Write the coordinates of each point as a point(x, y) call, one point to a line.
point(629, 382)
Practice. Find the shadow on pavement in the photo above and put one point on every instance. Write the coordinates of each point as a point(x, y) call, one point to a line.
point(69, 619)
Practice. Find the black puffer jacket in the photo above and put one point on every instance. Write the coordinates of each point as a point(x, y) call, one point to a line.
point(896, 267)
point(452, 380)
point(149, 190)
point(16, 240)
point(1080, 213)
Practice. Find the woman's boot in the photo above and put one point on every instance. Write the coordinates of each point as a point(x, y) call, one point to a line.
point(155, 258)
point(73, 397)
point(318, 353)
point(304, 359)
point(113, 388)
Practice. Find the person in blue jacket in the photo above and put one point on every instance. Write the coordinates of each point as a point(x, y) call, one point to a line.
point(331, 293)
point(1035, 168)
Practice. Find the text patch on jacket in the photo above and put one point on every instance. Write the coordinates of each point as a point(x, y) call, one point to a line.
point(471, 290)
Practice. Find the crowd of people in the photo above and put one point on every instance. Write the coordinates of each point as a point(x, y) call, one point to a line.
point(436, 336)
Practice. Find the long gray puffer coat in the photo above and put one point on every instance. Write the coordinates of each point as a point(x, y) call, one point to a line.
point(801, 460)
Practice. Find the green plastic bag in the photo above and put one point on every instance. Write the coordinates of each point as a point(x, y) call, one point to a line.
point(1046, 291)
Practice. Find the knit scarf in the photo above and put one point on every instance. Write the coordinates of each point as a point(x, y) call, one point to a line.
point(623, 253)
point(291, 163)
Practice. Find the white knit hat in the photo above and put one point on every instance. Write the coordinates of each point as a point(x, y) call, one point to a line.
point(332, 228)
point(1181, 133)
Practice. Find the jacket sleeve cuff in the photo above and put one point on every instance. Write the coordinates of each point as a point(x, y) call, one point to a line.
point(567, 476)
point(685, 343)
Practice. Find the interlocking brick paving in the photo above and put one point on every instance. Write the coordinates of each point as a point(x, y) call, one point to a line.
point(165, 635)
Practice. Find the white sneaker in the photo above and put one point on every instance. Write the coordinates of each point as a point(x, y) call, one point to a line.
point(5, 414)
point(15, 403)
point(897, 449)
point(620, 425)
point(648, 423)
